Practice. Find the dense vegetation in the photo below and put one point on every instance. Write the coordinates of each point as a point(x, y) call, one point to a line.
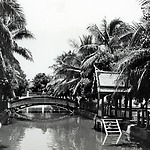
point(12, 28)
point(114, 46)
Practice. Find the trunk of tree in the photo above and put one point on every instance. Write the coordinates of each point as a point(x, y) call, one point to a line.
point(2, 81)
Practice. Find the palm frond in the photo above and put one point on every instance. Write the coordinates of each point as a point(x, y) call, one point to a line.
point(89, 61)
point(89, 48)
point(65, 86)
point(98, 56)
point(99, 37)
point(23, 52)
point(76, 87)
point(16, 24)
point(22, 33)
point(126, 36)
point(105, 31)
point(136, 36)
point(135, 58)
point(74, 44)
point(144, 2)
point(5, 36)
point(12, 8)
point(113, 24)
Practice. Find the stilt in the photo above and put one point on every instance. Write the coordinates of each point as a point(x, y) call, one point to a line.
point(27, 110)
point(43, 109)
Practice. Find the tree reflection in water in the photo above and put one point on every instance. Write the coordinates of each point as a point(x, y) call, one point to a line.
point(70, 133)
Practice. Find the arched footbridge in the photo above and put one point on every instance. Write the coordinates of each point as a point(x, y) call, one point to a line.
point(42, 100)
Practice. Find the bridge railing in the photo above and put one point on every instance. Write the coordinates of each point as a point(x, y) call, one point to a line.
point(43, 99)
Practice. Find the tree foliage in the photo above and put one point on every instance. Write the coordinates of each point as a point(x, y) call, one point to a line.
point(39, 83)
point(114, 46)
point(12, 28)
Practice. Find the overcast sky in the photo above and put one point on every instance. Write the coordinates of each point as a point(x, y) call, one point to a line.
point(54, 22)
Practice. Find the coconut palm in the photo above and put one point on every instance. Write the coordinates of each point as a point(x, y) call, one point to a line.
point(104, 49)
point(66, 73)
point(107, 44)
point(135, 66)
point(145, 8)
point(12, 26)
point(67, 69)
point(109, 34)
point(135, 71)
point(140, 34)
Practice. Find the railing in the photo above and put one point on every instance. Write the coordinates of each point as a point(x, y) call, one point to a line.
point(143, 118)
point(137, 115)
point(42, 100)
point(118, 112)
point(123, 112)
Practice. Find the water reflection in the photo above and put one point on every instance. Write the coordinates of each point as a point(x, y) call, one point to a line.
point(111, 139)
point(71, 133)
point(46, 116)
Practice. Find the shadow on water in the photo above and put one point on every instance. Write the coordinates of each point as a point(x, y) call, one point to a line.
point(125, 141)
point(47, 116)
point(2, 147)
point(144, 146)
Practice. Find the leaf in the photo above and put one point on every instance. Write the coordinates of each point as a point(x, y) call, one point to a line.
point(23, 33)
point(23, 52)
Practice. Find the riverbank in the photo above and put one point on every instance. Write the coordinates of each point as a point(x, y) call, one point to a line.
point(5, 117)
point(131, 129)
point(86, 114)
point(140, 133)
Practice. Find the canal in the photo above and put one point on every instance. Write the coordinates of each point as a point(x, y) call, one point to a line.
point(61, 133)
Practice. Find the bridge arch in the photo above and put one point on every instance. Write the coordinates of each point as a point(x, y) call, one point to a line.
point(42, 100)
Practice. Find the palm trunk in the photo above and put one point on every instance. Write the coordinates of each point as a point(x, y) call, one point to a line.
point(2, 76)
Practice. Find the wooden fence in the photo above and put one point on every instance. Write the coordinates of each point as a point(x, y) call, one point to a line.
point(137, 115)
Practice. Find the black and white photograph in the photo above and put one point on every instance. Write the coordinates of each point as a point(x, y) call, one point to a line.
point(74, 74)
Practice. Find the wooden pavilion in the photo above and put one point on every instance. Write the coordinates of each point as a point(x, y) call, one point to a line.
point(112, 99)
point(115, 103)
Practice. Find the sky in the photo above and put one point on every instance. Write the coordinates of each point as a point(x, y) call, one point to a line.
point(55, 22)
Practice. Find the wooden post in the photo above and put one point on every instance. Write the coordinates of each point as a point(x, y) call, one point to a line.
point(146, 106)
point(98, 101)
point(147, 119)
point(142, 115)
point(130, 107)
point(126, 105)
point(1, 103)
point(98, 90)
point(120, 100)
point(102, 108)
point(138, 117)
point(110, 108)
point(116, 107)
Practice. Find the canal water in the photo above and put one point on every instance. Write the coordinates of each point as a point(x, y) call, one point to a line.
point(61, 133)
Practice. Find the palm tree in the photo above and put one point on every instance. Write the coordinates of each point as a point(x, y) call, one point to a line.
point(109, 34)
point(67, 69)
point(103, 49)
point(139, 35)
point(12, 26)
point(66, 73)
point(145, 8)
point(135, 66)
point(107, 46)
